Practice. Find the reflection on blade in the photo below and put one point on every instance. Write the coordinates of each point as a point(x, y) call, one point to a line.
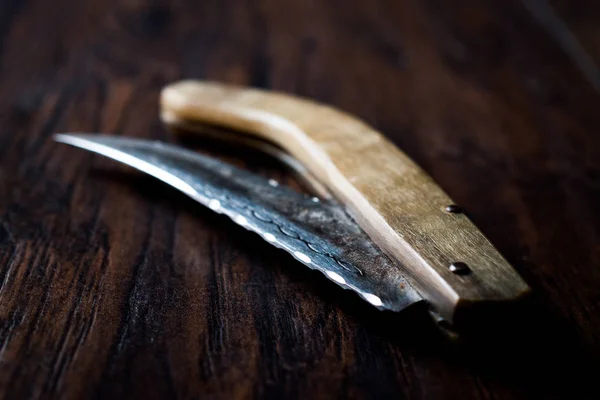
point(317, 233)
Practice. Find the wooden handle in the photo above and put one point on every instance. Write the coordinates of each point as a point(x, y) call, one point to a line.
point(397, 204)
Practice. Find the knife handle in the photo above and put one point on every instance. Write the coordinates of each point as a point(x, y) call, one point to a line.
point(400, 207)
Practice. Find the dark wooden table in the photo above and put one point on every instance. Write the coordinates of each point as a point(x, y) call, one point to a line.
point(113, 286)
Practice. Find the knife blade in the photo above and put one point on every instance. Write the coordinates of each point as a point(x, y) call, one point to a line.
point(317, 232)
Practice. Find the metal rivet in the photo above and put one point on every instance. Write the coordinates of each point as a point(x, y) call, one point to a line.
point(453, 209)
point(459, 268)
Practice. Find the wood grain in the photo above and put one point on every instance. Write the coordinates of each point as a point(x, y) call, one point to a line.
point(114, 287)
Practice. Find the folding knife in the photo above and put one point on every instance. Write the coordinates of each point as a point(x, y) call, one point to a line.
point(379, 225)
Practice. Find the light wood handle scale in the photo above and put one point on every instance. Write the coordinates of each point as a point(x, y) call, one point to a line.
point(399, 206)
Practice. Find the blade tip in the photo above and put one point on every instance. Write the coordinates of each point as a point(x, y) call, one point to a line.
point(75, 139)
point(67, 137)
point(61, 137)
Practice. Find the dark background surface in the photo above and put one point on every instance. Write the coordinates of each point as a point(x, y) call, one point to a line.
point(112, 285)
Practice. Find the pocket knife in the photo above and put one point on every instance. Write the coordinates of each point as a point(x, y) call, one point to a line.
point(379, 225)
